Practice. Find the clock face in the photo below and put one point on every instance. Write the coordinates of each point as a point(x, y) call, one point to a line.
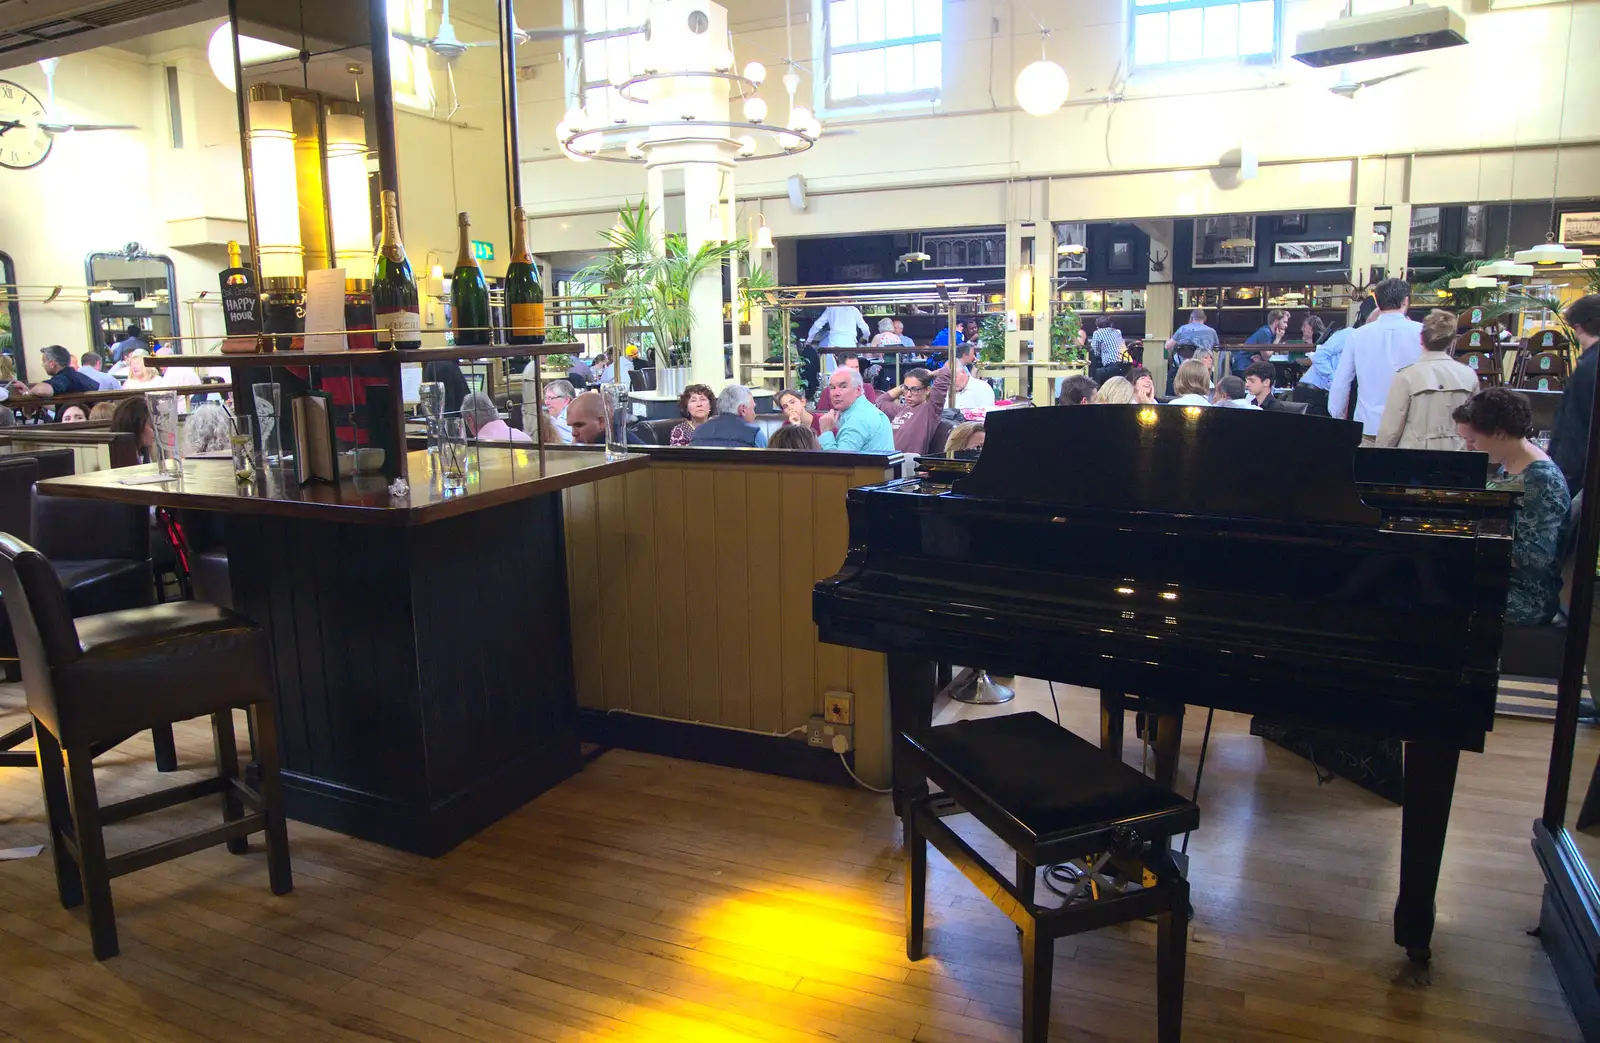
point(22, 143)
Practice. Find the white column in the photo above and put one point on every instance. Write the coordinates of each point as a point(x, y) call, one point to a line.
point(656, 200)
point(701, 199)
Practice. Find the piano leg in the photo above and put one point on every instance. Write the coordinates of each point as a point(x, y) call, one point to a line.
point(911, 690)
point(1168, 741)
point(1111, 715)
point(1430, 784)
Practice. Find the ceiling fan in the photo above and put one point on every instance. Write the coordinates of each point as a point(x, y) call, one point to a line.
point(447, 45)
point(1347, 87)
point(52, 124)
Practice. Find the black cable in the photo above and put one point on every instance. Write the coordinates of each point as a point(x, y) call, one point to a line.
point(1053, 702)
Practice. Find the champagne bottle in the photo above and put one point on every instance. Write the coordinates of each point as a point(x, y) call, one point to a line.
point(524, 295)
point(235, 265)
point(394, 289)
point(469, 294)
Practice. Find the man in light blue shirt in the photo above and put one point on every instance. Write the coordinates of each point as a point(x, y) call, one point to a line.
point(1373, 354)
point(90, 363)
point(854, 425)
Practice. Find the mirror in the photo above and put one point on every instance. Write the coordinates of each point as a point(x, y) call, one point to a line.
point(148, 285)
point(450, 141)
point(11, 320)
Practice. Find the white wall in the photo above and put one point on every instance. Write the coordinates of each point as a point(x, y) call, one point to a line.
point(98, 191)
point(1504, 89)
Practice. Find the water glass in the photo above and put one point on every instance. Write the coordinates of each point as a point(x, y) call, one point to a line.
point(431, 398)
point(267, 401)
point(168, 449)
point(242, 443)
point(616, 417)
point(453, 453)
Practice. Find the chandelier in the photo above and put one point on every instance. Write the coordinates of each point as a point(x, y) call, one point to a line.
point(683, 100)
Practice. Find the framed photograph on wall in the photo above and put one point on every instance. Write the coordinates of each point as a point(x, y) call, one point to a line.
point(1119, 255)
point(1475, 231)
point(1292, 224)
point(1074, 237)
point(1426, 225)
point(1323, 251)
point(1224, 242)
point(1580, 228)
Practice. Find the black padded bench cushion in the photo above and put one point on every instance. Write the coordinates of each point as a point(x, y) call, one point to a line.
point(1045, 780)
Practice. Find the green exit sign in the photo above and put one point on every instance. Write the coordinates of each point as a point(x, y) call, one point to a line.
point(483, 251)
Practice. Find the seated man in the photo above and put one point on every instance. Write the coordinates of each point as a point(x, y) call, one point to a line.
point(483, 421)
point(1230, 392)
point(853, 360)
point(1258, 383)
point(587, 415)
point(733, 426)
point(558, 395)
point(1076, 391)
point(854, 424)
point(64, 380)
point(913, 408)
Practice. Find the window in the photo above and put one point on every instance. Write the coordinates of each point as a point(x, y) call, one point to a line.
point(882, 51)
point(408, 64)
point(613, 50)
point(1172, 32)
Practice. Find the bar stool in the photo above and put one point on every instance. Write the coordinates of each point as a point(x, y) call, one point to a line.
point(1053, 798)
point(104, 677)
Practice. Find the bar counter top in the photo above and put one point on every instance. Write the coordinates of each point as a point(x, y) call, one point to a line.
point(503, 475)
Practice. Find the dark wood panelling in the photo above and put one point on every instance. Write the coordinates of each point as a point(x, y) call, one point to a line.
point(423, 692)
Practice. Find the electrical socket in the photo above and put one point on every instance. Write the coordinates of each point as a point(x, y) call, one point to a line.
point(839, 708)
point(826, 735)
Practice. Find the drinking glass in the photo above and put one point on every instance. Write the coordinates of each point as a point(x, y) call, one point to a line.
point(453, 453)
point(611, 401)
point(168, 449)
point(267, 400)
point(242, 443)
point(431, 397)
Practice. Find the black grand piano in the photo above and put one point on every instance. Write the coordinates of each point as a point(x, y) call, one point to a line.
point(1254, 562)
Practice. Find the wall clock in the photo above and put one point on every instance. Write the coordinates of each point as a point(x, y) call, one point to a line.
point(23, 142)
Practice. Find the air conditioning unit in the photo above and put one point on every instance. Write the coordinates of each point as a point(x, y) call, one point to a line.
point(1402, 30)
point(34, 29)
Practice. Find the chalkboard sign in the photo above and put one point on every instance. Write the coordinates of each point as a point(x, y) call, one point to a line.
point(241, 303)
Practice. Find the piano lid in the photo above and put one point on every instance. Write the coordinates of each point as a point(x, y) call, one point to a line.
point(1198, 460)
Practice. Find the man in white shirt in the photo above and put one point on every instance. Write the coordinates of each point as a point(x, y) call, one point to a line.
point(843, 322)
point(558, 394)
point(1373, 354)
point(972, 393)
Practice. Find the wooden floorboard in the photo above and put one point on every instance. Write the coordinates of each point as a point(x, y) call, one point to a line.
point(660, 900)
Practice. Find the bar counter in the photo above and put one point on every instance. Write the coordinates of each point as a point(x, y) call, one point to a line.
point(422, 647)
point(503, 475)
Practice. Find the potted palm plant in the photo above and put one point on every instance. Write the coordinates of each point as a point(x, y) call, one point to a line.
point(645, 280)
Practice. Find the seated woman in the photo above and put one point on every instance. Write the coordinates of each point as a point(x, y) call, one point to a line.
point(132, 416)
point(1192, 385)
point(697, 404)
point(966, 439)
point(1116, 391)
point(794, 436)
point(206, 430)
point(483, 421)
point(1144, 386)
point(1498, 421)
point(792, 405)
point(103, 411)
point(72, 414)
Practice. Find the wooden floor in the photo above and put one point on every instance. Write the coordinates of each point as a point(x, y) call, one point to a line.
point(652, 899)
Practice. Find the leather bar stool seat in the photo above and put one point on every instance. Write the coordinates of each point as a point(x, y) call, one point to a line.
point(100, 678)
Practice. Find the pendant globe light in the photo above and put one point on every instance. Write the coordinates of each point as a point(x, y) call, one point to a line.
point(1042, 87)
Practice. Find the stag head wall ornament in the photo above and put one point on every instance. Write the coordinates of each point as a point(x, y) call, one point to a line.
point(1158, 262)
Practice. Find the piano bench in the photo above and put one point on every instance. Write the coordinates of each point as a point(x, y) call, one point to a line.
point(1052, 798)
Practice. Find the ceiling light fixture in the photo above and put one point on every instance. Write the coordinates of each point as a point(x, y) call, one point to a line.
point(1042, 86)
